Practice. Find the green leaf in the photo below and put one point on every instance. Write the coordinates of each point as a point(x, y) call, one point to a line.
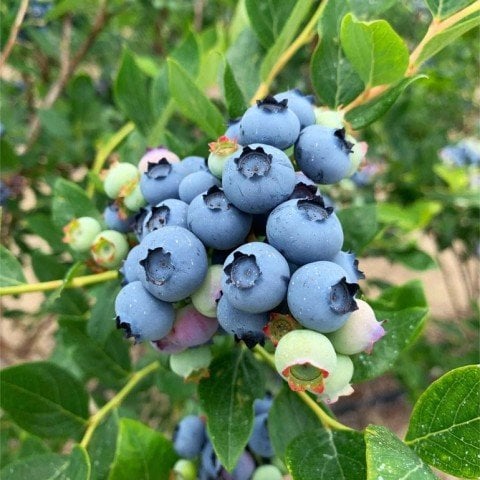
point(42, 225)
point(288, 418)
point(444, 8)
point(71, 6)
point(372, 8)
point(441, 40)
point(192, 102)
point(359, 226)
point(141, 453)
point(132, 92)
point(268, 17)
point(50, 466)
point(11, 272)
point(402, 328)
point(47, 267)
point(187, 54)
point(44, 399)
point(102, 446)
point(101, 322)
point(236, 104)
point(324, 454)
point(227, 399)
point(456, 178)
point(292, 25)
point(333, 78)
point(10, 160)
point(445, 423)
point(367, 113)
point(93, 357)
point(400, 297)
point(390, 459)
point(376, 51)
point(410, 217)
point(412, 257)
point(70, 201)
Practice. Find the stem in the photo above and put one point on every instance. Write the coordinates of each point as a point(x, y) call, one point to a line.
point(326, 420)
point(12, 38)
point(106, 150)
point(435, 28)
point(95, 420)
point(54, 284)
point(304, 37)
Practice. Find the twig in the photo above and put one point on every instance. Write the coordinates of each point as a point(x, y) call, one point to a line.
point(67, 67)
point(14, 32)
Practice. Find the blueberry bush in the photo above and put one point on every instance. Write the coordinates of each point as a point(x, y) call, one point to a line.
point(188, 191)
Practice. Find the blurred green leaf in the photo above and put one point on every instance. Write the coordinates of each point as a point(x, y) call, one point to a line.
point(42, 225)
point(333, 78)
point(132, 92)
point(389, 458)
point(323, 455)
point(365, 114)
point(11, 272)
point(44, 399)
point(47, 267)
point(408, 217)
point(268, 17)
point(371, 8)
point(46, 467)
point(288, 417)
point(412, 257)
point(444, 8)
point(445, 424)
point(456, 178)
point(233, 95)
point(192, 102)
point(79, 467)
point(376, 51)
point(141, 453)
point(62, 7)
point(399, 297)
point(226, 397)
point(10, 160)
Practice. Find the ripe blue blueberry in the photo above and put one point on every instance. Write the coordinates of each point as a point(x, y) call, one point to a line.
point(141, 315)
point(243, 469)
point(170, 212)
point(262, 405)
point(191, 164)
point(301, 105)
point(233, 129)
point(117, 219)
point(216, 221)
point(138, 220)
point(131, 265)
point(269, 122)
point(320, 298)
point(189, 437)
point(258, 179)
point(348, 261)
point(245, 326)
point(323, 153)
point(160, 181)
point(210, 464)
point(255, 277)
point(174, 263)
point(305, 230)
point(259, 441)
point(196, 183)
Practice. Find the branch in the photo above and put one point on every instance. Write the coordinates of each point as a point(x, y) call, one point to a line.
point(67, 67)
point(54, 284)
point(14, 32)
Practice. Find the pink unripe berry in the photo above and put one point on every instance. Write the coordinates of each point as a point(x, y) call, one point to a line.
point(154, 155)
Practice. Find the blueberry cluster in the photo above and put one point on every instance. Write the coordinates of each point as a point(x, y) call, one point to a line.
point(198, 459)
point(244, 243)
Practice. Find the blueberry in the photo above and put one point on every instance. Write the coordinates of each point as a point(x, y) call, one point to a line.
point(245, 326)
point(323, 153)
point(259, 441)
point(244, 468)
point(320, 298)
point(348, 261)
point(305, 230)
point(206, 297)
point(269, 122)
point(329, 118)
point(267, 472)
point(337, 384)
point(81, 232)
point(118, 176)
point(220, 151)
point(258, 179)
point(196, 183)
point(109, 248)
point(5, 193)
point(255, 277)
point(170, 212)
point(117, 219)
point(304, 187)
point(262, 405)
point(131, 265)
point(192, 164)
point(160, 181)
point(133, 198)
point(154, 155)
point(216, 221)
point(138, 220)
point(209, 462)
point(191, 364)
point(189, 437)
point(233, 129)
point(301, 105)
point(174, 263)
point(141, 315)
point(184, 470)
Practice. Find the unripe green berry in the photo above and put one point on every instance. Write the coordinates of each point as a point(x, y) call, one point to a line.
point(134, 200)
point(359, 333)
point(205, 298)
point(81, 232)
point(220, 151)
point(337, 384)
point(329, 118)
point(359, 150)
point(267, 472)
point(191, 364)
point(119, 175)
point(184, 470)
point(109, 248)
point(305, 358)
